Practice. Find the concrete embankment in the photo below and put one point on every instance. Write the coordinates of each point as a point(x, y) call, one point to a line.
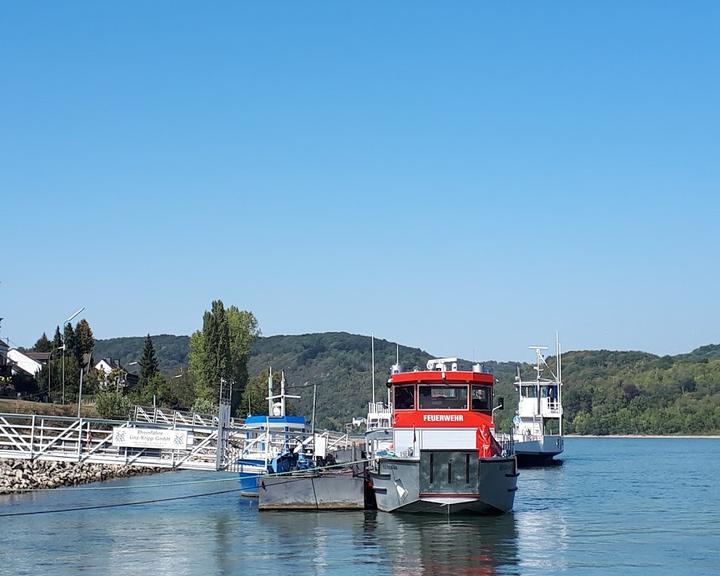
point(20, 475)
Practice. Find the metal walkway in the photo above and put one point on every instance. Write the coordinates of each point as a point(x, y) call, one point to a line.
point(59, 438)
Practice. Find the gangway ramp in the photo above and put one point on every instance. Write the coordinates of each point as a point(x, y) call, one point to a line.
point(59, 438)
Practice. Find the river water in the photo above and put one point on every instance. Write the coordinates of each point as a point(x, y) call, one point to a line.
point(615, 506)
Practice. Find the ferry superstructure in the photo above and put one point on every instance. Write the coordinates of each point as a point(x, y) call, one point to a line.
point(537, 426)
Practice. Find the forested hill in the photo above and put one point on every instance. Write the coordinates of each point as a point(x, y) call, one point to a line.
point(341, 365)
point(605, 392)
point(172, 351)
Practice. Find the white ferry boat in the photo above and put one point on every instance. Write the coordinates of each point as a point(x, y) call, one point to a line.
point(436, 451)
point(537, 426)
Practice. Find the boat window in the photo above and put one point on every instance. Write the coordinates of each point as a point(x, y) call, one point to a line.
point(404, 397)
point(548, 392)
point(529, 392)
point(443, 397)
point(482, 398)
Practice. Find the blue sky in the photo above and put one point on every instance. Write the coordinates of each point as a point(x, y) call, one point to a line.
point(466, 178)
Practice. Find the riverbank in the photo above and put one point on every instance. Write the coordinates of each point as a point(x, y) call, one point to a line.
point(15, 406)
point(23, 475)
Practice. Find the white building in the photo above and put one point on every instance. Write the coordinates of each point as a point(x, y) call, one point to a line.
point(123, 377)
point(29, 362)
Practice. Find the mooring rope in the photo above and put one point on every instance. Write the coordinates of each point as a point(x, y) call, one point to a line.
point(170, 484)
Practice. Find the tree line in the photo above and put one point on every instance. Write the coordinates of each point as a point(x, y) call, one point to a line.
point(604, 392)
point(218, 357)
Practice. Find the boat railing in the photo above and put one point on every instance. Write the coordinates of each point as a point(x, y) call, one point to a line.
point(552, 407)
point(506, 443)
point(378, 408)
point(379, 416)
point(270, 444)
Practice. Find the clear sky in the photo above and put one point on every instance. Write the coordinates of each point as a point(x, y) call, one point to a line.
point(464, 177)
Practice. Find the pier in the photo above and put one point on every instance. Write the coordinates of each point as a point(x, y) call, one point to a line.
point(150, 438)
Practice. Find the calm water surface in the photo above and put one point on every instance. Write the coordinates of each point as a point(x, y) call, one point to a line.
point(615, 506)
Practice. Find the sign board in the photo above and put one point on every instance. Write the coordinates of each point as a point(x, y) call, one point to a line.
point(150, 438)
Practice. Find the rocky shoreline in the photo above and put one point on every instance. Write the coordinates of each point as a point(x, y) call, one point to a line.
point(17, 476)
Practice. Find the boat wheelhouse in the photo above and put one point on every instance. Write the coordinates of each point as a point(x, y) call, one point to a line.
point(537, 426)
point(440, 455)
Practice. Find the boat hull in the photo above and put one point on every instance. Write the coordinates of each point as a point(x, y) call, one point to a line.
point(248, 473)
point(341, 490)
point(536, 452)
point(445, 481)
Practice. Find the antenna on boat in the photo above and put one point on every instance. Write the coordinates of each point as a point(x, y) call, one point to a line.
point(270, 392)
point(559, 378)
point(372, 356)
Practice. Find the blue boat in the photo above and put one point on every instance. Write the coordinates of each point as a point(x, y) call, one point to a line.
point(273, 444)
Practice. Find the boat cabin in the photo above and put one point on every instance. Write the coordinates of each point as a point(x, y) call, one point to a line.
point(441, 408)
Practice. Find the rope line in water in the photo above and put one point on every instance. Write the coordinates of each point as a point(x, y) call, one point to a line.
point(115, 505)
point(170, 499)
point(124, 487)
point(169, 484)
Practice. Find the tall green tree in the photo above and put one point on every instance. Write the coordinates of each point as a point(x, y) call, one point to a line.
point(221, 351)
point(69, 340)
point(149, 366)
point(216, 339)
point(43, 344)
point(196, 366)
point(242, 331)
point(57, 339)
point(84, 340)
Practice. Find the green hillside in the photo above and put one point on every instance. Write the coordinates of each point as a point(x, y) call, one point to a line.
point(605, 392)
point(340, 364)
point(172, 351)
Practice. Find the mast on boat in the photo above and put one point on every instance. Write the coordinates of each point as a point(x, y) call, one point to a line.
point(558, 352)
point(372, 361)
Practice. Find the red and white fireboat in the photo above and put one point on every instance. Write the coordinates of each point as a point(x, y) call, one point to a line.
point(437, 452)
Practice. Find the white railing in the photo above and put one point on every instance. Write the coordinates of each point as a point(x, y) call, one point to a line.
point(58, 438)
point(379, 416)
point(550, 407)
point(156, 415)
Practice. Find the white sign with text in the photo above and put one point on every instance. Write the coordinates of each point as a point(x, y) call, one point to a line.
point(150, 438)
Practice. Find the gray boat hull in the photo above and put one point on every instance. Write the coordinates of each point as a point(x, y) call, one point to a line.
point(534, 452)
point(445, 481)
point(306, 491)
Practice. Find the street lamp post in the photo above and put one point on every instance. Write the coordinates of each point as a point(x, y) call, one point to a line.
point(63, 349)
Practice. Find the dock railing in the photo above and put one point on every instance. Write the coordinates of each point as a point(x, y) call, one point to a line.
point(61, 438)
point(156, 415)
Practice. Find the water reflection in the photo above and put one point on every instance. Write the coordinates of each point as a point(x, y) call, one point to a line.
point(464, 545)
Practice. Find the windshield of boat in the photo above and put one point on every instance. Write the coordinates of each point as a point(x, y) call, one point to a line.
point(443, 397)
point(529, 391)
point(404, 397)
point(481, 397)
